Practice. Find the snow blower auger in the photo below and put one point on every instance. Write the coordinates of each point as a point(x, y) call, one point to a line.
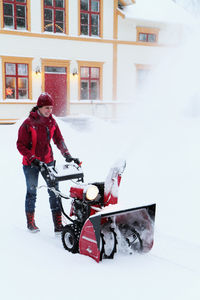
point(97, 228)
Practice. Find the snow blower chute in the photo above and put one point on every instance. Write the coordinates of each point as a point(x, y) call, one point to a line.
point(98, 227)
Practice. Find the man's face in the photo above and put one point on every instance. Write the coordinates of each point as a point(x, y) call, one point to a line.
point(46, 111)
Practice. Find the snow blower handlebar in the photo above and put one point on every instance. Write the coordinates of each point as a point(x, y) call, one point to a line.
point(53, 174)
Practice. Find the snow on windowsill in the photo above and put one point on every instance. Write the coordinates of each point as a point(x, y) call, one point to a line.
point(18, 101)
point(15, 30)
point(54, 33)
point(101, 102)
point(90, 37)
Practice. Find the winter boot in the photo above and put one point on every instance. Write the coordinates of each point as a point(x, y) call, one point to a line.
point(31, 222)
point(57, 220)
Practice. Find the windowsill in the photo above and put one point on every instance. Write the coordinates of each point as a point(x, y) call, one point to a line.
point(90, 36)
point(102, 102)
point(15, 30)
point(18, 101)
point(54, 33)
point(28, 31)
point(85, 101)
point(146, 42)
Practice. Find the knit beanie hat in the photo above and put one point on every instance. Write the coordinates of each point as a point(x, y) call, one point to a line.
point(45, 100)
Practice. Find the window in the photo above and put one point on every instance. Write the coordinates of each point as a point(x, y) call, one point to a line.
point(90, 17)
point(90, 83)
point(54, 16)
point(16, 81)
point(143, 75)
point(148, 35)
point(55, 70)
point(15, 14)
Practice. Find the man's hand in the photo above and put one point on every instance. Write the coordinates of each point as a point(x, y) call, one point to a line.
point(68, 158)
point(36, 162)
point(77, 161)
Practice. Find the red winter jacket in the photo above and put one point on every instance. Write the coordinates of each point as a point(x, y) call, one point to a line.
point(34, 138)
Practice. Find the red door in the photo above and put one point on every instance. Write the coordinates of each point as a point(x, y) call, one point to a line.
point(56, 86)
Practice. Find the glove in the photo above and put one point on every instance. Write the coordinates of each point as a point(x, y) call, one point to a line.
point(36, 162)
point(77, 161)
point(68, 158)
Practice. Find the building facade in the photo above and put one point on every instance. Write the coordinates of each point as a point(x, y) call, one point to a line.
point(90, 55)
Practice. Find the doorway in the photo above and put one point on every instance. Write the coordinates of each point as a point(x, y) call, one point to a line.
point(55, 83)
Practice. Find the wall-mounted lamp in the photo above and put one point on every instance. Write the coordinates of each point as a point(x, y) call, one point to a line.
point(74, 72)
point(37, 70)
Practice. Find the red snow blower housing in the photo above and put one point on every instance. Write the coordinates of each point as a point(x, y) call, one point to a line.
point(98, 228)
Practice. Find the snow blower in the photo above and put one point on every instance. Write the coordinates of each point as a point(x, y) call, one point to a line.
point(97, 227)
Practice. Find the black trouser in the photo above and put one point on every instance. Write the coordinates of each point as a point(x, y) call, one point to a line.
point(31, 174)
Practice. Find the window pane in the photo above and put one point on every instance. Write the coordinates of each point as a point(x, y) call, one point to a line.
point(22, 94)
point(48, 26)
point(84, 90)
point(94, 30)
point(22, 69)
point(10, 88)
point(85, 5)
point(151, 38)
point(143, 37)
point(84, 72)
point(59, 3)
point(95, 6)
point(84, 19)
point(60, 70)
point(59, 15)
point(20, 11)
point(48, 14)
point(84, 30)
point(23, 88)
point(94, 19)
point(21, 23)
point(59, 27)
point(8, 9)
point(8, 22)
point(48, 2)
point(22, 83)
point(94, 90)
point(22, 1)
point(95, 72)
point(10, 69)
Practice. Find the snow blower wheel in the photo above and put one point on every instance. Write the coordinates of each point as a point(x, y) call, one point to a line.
point(109, 243)
point(69, 239)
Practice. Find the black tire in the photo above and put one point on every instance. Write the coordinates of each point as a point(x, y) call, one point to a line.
point(109, 244)
point(101, 246)
point(69, 239)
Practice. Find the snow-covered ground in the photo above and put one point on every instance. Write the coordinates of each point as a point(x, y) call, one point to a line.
point(163, 166)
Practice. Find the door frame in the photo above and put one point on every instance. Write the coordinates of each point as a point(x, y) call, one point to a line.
point(57, 63)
